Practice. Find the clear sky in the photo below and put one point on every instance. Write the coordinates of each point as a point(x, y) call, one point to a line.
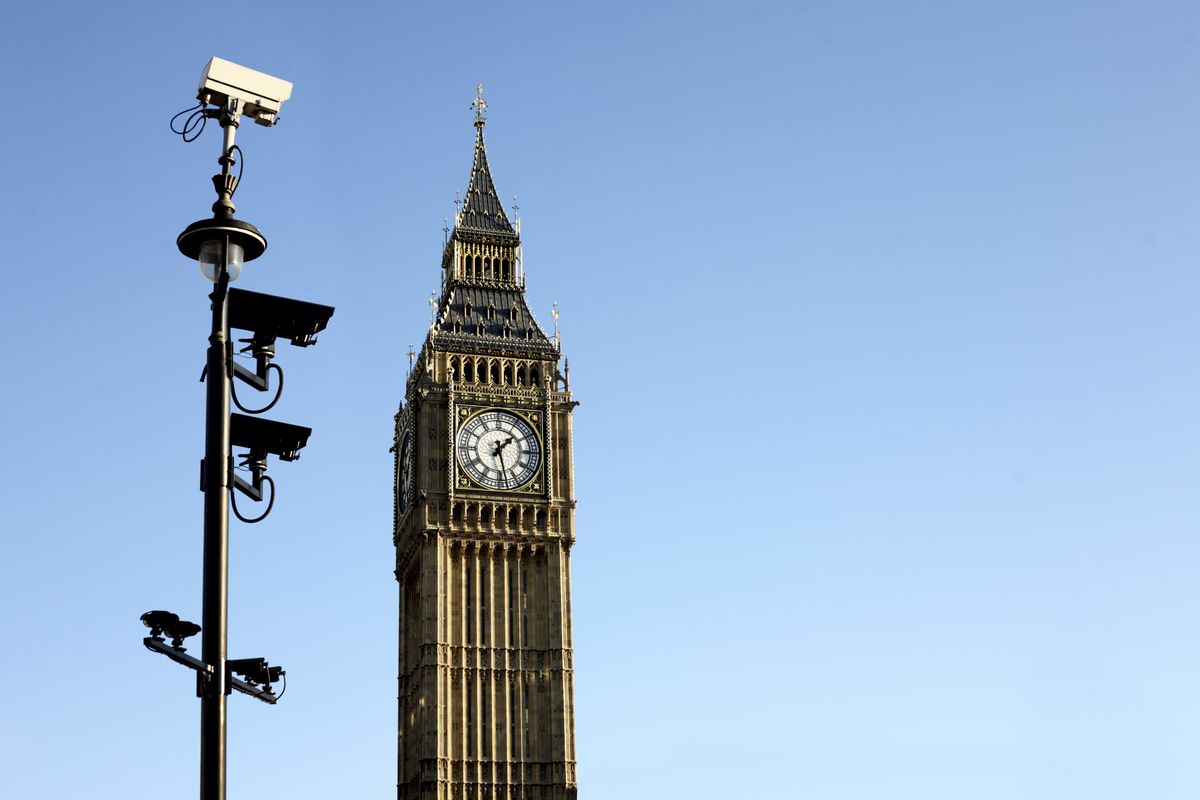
point(883, 316)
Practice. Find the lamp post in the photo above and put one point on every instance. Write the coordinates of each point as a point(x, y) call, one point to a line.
point(222, 245)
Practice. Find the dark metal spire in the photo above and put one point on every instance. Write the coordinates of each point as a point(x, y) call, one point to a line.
point(482, 209)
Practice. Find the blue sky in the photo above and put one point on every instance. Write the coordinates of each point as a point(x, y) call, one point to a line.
point(883, 320)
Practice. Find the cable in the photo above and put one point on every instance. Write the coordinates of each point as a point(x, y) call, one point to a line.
point(278, 696)
point(270, 504)
point(241, 162)
point(196, 118)
point(268, 406)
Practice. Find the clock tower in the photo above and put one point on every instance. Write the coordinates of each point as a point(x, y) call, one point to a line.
point(484, 523)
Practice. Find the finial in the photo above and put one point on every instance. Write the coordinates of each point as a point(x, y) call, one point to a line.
point(554, 313)
point(457, 209)
point(411, 353)
point(480, 106)
point(445, 230)
point(432, 308)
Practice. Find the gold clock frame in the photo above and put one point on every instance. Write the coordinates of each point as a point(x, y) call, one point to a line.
point(536, 420)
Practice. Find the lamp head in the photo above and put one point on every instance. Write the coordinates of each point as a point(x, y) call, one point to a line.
point(204, 241)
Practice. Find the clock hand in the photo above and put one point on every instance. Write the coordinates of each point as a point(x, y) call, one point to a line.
point(503, 469)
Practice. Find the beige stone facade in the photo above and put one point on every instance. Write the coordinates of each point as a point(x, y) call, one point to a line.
point(484, 526)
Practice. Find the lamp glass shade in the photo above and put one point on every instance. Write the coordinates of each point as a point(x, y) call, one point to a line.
point(210, 259)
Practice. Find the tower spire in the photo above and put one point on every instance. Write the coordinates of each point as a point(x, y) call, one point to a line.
point(482, 210)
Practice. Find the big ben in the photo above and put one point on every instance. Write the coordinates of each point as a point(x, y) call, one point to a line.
point(484, 524)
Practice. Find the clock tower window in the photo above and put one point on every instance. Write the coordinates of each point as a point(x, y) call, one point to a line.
point(470, 611)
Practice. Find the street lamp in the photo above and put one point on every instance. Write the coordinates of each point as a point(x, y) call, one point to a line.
point(221, 245)
point(206, 240)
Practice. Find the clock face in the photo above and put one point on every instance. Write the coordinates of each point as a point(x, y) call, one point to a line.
point(498, 449)
point(406, 458)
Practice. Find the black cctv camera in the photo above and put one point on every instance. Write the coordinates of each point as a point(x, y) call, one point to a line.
point(255, 670)
point(157, 621)
point(178, 631)
point(269, 316)
point(266, 436)
point(168, 622)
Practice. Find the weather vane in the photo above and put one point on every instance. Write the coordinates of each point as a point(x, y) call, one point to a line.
point(479, 104)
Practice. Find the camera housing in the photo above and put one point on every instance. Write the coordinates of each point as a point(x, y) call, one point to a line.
point(156, 621)
point(268, 316)
point(266, 436)
point(255, 94)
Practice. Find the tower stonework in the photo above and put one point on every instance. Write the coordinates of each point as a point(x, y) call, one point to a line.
point(484, 523)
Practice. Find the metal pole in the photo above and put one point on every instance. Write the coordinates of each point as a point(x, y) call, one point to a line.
point(216, 545)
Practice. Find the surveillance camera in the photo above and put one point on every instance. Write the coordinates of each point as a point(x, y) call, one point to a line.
point(263, 436)
point(156, 621)
point(179, 631)
point(255, 670)
point(255, 94)
point(268, 316)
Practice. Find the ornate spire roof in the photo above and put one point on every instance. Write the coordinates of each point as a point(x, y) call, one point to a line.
point(483, 307)
point(482, 210)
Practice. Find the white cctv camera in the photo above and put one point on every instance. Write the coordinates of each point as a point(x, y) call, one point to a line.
point(253, 93)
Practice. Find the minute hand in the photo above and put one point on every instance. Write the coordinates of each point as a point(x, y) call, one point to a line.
point(503, 469)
